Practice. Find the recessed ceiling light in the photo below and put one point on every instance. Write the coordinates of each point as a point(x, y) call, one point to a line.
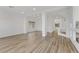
point(34, 9)
point(22, 12)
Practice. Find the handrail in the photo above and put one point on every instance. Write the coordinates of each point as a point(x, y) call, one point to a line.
point(76, 44)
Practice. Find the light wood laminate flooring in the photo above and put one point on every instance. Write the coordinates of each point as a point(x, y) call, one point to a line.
point(33, 42)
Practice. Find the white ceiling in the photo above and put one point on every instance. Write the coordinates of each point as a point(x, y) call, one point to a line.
point(27, 9)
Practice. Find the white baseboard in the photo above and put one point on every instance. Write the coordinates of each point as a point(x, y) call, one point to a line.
point(10, 35)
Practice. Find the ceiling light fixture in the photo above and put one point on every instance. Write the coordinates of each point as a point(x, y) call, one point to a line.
point(22, 12)
point(34, 9)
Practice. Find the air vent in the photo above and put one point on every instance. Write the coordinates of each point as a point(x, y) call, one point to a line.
point(11, 6)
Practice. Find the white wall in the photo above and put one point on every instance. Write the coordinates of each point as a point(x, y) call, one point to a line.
point(76, 13)
point(10, 24)
point(75, 18)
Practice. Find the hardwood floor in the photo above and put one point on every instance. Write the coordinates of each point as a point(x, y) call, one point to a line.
point(34, 43)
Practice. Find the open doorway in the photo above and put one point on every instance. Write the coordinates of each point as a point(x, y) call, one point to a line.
point(31, 25)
